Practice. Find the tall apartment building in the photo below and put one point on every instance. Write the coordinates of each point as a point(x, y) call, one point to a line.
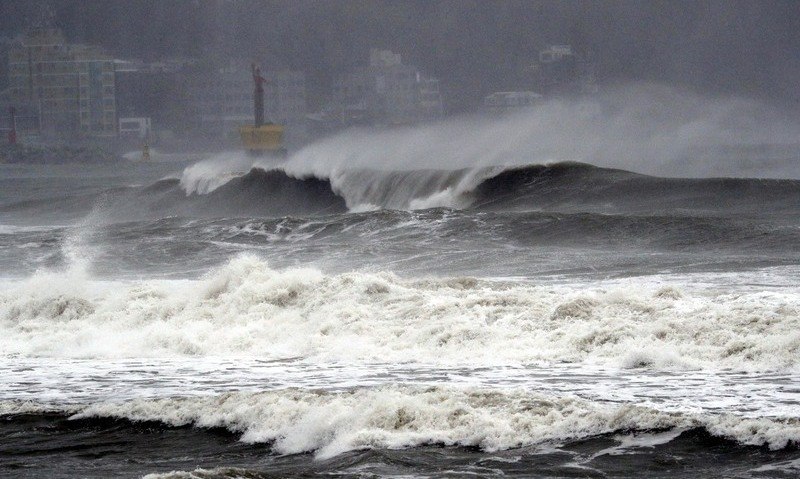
point(386, 92)
point(69, 89)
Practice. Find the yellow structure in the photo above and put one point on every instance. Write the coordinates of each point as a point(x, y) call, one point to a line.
point(263, 139)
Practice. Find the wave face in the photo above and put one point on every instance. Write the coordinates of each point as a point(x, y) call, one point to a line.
point(230, 189)
point(247, 309)
point(554, 187)
point(328, 423)
point(174, 453)
point(581, 187)
point(568, 187)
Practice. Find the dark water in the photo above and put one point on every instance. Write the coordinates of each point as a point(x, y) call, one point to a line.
point(119, 448)
point(566, 218)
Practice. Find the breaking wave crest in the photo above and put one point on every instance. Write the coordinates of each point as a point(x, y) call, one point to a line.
point(565, 186)
point(332, 422)
point(359, 188)
point(247, 309)
point(237, 187)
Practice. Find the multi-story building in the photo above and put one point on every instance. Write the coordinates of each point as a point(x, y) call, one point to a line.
point(386, 92)
point(69, 88)
point(508, 101)
point(430, 98)
point(135, 128)
point(560, 69)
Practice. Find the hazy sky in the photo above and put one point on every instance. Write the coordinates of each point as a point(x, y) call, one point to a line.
point(750, 48)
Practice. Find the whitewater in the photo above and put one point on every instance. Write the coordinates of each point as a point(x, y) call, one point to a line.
point(394, 304)
point(248, 309)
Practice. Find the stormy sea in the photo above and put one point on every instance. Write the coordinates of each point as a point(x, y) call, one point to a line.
point(237, 318)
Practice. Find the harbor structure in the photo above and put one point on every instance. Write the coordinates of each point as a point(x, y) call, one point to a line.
point(220, 100)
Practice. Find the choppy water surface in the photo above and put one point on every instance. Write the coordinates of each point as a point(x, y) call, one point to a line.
point(534, 321)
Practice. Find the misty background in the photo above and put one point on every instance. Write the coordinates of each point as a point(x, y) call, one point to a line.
point(474, 47)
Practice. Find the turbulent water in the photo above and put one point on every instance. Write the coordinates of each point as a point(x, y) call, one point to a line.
point(232, 318)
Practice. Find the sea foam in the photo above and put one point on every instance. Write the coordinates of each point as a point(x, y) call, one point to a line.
point(245, 308)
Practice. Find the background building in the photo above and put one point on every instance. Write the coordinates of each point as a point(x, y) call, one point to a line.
point(561, 69)
point(134, 128)
point(385, 92)
point(509, 101)
point(68, 89)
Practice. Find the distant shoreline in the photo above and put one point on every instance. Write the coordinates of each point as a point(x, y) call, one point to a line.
point(56, 155)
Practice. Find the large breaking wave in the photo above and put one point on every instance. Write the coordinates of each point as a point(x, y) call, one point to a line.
point(561, 186)
point(525, 160)
point(213, 189)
